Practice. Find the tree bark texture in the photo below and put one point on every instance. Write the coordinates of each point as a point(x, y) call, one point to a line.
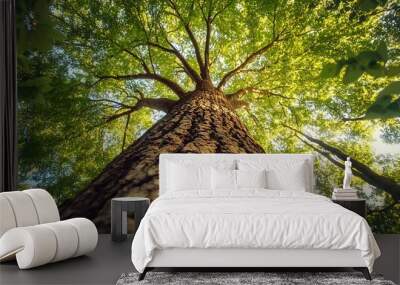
point(203, 122)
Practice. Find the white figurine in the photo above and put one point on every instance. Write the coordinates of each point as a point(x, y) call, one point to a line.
point(347, 174)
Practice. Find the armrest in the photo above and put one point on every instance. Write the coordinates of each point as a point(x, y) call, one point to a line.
point(32, 246)
point(40, 244)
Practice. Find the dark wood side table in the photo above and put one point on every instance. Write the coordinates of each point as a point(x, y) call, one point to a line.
point(358, 206)
point(120, 208)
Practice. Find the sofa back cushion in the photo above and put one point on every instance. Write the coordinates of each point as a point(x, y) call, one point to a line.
point(26, 208)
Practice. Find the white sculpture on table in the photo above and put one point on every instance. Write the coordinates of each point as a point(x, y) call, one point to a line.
point(347, 174)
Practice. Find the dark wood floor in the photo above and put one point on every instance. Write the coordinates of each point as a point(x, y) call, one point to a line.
point(110, 260)
point(103, 266)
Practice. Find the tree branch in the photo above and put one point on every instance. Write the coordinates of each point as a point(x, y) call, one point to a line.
point(186, 66)
point(353, 119)
point(387, 184)
point(222, 10)
point(247, 61)
point(125, 131)
point(251, 89)
point(237, 94)
point(192, 39)
point(142, 62)
point(256, 70)
point(323, 153)
point(112, 102)
point(207, 49)
point(208, 19)
point(169, 83)
point(236, 104)
point(328, 156)
point(160, 104)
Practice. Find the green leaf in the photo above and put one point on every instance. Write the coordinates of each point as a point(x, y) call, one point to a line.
point(369, 61)
point(384, 108)
point(382, 50)
point(365, 58)
point(376, 70)
point(392, 70)
point(392, 88)
point(367, 5)
point(353, 73)
point(387, 104)
point(330, 70)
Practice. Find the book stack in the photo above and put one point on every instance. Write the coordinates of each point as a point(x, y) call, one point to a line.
point(344, 194)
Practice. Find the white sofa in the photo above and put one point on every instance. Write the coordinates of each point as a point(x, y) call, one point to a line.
point(31, 231)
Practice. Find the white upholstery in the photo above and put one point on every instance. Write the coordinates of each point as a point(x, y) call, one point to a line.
point(32, 246)
point(232, 161)
point(255, 257)
point(7, 218)
point(22, 206)
point(45, 205)
point(31, 230)
point(67, 236)
point(87, 235)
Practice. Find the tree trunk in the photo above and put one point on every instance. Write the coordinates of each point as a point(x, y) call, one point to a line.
point(204, 122)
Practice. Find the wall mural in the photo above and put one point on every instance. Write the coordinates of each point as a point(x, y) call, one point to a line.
point(106, 86)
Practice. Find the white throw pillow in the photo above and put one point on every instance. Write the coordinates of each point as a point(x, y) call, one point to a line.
point(181, 177)
point(251, 178)
point(293, 180)
point(223, 179)
point(281, 174)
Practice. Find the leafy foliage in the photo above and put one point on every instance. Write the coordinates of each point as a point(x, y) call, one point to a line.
point(379, 62)
point(387, 104)
point(79, 103)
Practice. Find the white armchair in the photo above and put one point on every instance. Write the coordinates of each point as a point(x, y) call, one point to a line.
point(31, 230)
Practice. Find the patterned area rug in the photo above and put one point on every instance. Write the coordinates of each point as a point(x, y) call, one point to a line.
point(243, 278)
